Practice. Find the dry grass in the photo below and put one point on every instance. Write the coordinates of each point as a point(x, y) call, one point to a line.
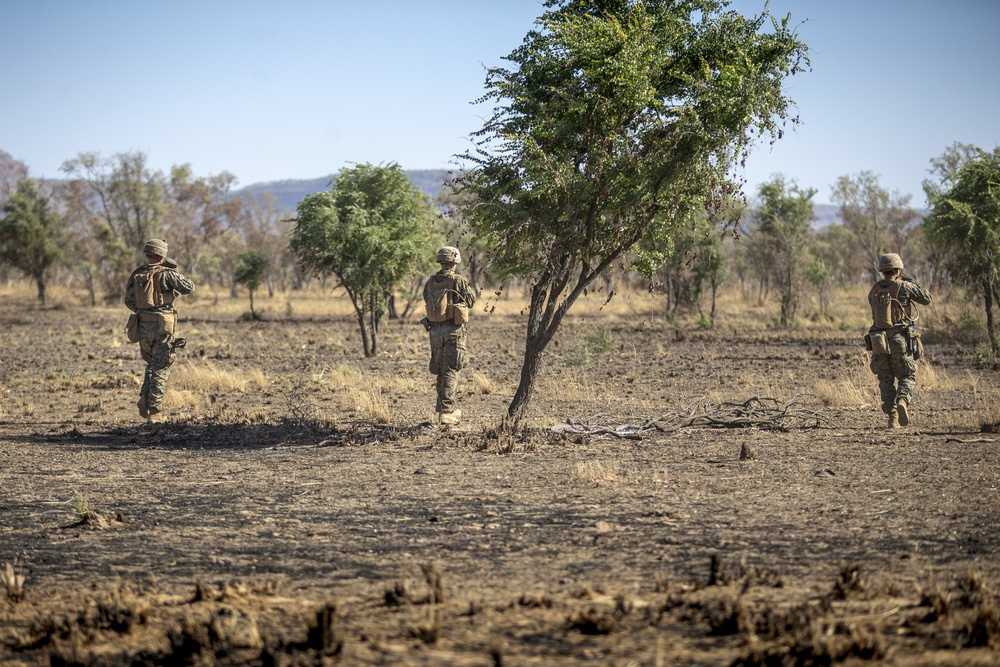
point(482, 384)
point(851, 385)
point(362, 392)
point(209, 377)
point(595, 472)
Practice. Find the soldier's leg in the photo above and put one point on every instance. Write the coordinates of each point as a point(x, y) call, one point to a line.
point(452, 362)
point(448, 378)
point(437, 352)
point(904, 369)
point(881, 365)
point(147, 336)
point(159, 371)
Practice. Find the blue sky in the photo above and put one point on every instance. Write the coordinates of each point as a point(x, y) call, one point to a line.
point(298, 89)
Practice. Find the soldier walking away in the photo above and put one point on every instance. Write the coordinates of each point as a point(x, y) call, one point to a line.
point(448, 297)
point(150, 295)
point(893, 338)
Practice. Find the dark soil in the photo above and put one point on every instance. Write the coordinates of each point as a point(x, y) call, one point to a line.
point(277, 527)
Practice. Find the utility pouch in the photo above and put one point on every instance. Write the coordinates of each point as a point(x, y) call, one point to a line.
point(913, 342)
point(879, 341)
point(460, 313)
point(868, 342)
point(132, 328)
point(167, 321)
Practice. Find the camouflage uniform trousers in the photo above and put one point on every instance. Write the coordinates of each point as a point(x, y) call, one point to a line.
point(896, 367)
point(448, 357)
point(157, 352)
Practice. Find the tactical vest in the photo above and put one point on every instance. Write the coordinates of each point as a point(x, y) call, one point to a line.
point(436, 299)
point(887, 310)
point(146, 288)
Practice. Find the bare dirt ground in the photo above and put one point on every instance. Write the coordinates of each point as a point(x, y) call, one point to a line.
point(298, 508)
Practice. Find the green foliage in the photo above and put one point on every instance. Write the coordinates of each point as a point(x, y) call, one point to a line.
point(781, 237)
point(879, 221)
point(31, 234)
point(613, 124)
point(251, 269)
point(599, 340)
point(371, 231)
point(965, 223)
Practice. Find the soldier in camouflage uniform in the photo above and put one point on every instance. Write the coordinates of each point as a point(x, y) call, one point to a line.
point(891, 300)
point(150, 294)
point(448, 297)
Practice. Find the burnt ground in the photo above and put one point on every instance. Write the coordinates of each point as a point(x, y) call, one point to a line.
point(285, 520)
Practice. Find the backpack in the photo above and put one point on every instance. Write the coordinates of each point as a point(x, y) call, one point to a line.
point(887, 311)
point(146, 288)
point(436, 299)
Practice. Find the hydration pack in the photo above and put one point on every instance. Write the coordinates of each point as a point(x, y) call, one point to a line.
point(887, 311)
point(436, 301)
point(146, 288)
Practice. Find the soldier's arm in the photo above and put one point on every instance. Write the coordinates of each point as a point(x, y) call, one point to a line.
point(178, 283)
point(918, 294)
point(467, 293)
point(130, 294)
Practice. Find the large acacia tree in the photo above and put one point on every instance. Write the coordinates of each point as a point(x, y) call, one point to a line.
point(615, 121)
point(370, 231)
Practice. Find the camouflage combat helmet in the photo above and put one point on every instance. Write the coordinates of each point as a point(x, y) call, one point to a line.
point(156, 247)
point(890, 262)
point(449, 254)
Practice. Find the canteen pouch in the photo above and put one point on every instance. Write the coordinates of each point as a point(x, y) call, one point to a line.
point(132, 328)
point(167, 321)
point(460, 313)
point(879, 341)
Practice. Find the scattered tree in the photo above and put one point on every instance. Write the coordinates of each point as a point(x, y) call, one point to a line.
point(965, 222)
point(879, 220)
point(371, 232)
point(251, 269)
point(31, 234)
point(616, 122)
point(782, 236)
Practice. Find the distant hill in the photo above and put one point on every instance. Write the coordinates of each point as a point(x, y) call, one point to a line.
point(290, 193)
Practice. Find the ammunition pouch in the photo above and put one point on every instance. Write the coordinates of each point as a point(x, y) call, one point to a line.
point(877, 342)
point(459, 313)
point(132, 328)
point(166, 321)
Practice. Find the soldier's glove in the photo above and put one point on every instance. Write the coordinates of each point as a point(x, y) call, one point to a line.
point(178, 343)
point(426, 322)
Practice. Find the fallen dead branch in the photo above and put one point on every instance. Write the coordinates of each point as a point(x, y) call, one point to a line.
point(763, 413)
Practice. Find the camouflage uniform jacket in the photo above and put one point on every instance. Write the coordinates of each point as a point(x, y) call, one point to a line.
point(462, 286)
point(171, 282)
point(909, 293)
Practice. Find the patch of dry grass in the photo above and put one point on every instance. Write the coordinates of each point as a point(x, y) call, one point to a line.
point(362, 392)
point(595, 472)
point(850, 385)
point(209, 377)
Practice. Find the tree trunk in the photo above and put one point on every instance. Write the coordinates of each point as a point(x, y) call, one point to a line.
point(252, 312)
point(989, 291)
point(543, 321)
point(40, 281)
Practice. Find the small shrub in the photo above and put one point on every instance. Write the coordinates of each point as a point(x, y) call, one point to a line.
point(599, 340)
point(578, 355)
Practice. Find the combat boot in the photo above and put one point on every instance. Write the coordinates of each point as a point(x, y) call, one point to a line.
point(141, 404)
point(903, 409)
point(154, 417)
point(893, 421)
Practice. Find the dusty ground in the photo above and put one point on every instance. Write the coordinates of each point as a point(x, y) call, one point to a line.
point(297, 509)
